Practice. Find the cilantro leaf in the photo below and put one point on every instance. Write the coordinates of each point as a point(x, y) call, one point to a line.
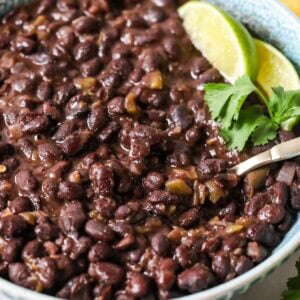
point(293, 286)
point(284, 104)
point(238, 135)
point(265, 131)
point(291, 113)
point(232, 110)
point(238, 125)
point(216, 96)
point(225, 101)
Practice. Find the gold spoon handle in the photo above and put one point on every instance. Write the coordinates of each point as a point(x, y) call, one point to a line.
point(282, 151)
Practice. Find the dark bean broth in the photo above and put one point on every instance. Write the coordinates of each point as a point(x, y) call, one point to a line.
point(113, 178)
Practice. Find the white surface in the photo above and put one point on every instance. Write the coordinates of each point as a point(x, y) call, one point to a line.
point(272, 287)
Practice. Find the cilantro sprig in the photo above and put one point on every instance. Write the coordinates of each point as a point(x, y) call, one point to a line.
point(293, 286)
point(238, 123)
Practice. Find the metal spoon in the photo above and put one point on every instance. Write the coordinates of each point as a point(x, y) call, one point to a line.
point(282, 151)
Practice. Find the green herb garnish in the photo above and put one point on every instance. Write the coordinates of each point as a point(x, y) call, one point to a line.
point(293, 286)
point(238, 124)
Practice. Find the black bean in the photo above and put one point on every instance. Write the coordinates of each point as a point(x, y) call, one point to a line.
point(77, 106)
point(211, 75)
point(233, 242)
point(211, 245)
point(102, 179)
point(181, 117)
point(38, 124)
point(86, 24)
point(44, 91)
point(85, 51)
point(271, 214)
point(192, 135)
point(25, 45)
point(65, 266)
point(109, 131)
point(12, 250)
point(195, 279)
point(107, 273)
point(63, 93)
point(165, 273)
point(186, 257)
point(188, 218)
point(116, 106)
point(96, 119)
point(162, 197)
point(91, 67)
point(221, 264)
point(257, 252)
point(120, 50)
point(100, 252)
point(20, 204)
point(154, 181)
point(72, 144)
point(153, 97)
point(47, 270)
point(23, 85)
point(172, 48)
point(228, 212)
point(69, 191)
point(48, 152)
point(45, 230)
point(147, 133)
point(263, 233)
point(76, 288)
point(160, 244)
point(105, 206)
point(151, 61)
point(50, 188)
point(144, 37)
point(66, 36)
point(99, 231)
point(254, 204)
point(26, 181)
point(199, 65)
point(137, 284)
point(211, 166)
point(20, 274)
point(32, 249)
point(243, 265)
point(13, 225)
point(286, 223)
point(154, 15)
point(279, 193)
point(71, 217)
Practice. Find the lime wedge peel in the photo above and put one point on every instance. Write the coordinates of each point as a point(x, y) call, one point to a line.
point(223, 40)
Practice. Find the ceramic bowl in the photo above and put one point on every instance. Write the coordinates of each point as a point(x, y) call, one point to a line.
point(272, 22)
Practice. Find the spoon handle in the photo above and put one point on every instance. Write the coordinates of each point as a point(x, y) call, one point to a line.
point(282, 151)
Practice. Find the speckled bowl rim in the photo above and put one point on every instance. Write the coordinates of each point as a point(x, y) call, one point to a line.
point(228, 289)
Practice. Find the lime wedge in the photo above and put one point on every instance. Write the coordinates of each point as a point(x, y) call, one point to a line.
point(276, 70)
point(222, 40)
